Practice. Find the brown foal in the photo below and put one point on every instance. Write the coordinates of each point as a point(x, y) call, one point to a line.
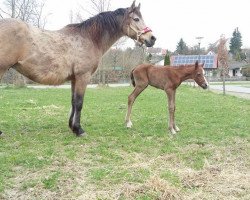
point(167, 78)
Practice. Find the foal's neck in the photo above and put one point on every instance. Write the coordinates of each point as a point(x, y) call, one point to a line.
point(186, 72)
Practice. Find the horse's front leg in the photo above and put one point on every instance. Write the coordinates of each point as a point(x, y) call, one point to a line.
point(171, 109)
point(72, 111)
point(79, 84)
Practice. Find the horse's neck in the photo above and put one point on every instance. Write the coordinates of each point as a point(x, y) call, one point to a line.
point(185, 73)
point(108, 40)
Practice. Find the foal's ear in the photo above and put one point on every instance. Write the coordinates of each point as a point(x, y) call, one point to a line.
point(196, 64)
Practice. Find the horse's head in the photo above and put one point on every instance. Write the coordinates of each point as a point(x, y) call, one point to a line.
point(199, 77)
point(135, 27)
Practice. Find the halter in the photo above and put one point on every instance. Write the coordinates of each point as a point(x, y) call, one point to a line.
point(139, 33)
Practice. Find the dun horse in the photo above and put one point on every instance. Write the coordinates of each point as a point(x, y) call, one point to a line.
point(166, 78)
point(71, 53)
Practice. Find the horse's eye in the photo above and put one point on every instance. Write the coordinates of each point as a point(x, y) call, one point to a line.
point(136, 19)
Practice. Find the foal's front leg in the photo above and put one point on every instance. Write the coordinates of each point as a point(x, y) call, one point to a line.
point(174, 125)
point(171, 109)
point(79, 85)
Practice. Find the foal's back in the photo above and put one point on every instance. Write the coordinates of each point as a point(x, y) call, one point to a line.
point(154, 75)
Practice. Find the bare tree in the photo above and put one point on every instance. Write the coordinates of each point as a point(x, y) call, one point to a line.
point(30, 11)
point(223, 59)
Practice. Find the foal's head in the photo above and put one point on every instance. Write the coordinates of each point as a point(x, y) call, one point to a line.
point(135, 28)
point(199, 77)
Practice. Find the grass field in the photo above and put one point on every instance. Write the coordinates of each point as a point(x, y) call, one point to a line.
point(41, 159)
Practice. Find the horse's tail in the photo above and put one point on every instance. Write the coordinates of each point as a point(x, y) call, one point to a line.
point(132, 78)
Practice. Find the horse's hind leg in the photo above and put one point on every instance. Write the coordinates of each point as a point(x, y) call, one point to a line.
point(2, 71)
point(4, 65)
point(131, 100)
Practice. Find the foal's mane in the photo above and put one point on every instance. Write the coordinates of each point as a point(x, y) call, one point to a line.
point(184, 65)
point(97, 25)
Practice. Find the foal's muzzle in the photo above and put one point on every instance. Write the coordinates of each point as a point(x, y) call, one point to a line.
point(204, 86)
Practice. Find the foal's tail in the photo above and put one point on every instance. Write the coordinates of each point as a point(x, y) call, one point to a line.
point(132, 78)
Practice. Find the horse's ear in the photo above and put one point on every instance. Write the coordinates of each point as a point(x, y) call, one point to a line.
point(196, 64)
point(203, 64)
point(139, 6)
point(132, 7)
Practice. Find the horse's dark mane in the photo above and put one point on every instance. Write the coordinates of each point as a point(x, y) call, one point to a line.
point(97, 25)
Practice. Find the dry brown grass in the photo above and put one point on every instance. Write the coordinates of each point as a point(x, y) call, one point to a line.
point(224, 176)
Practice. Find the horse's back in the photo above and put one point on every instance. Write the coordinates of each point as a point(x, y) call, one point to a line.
point(13, 35)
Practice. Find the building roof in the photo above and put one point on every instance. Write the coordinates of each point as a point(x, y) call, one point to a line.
point(233, 64)
point(210, 61)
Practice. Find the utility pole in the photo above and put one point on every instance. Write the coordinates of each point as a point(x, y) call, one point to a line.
point(199, 38)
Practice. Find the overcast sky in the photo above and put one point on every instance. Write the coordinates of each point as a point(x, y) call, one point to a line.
point(172, 20)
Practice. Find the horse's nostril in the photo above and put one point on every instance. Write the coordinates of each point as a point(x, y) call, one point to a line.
point(153, 38)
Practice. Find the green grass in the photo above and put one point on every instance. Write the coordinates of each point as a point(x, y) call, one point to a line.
point(38, 150)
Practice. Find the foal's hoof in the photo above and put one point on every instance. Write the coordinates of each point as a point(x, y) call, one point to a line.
point(129, 124)
point(172, 131)
point(177, 129)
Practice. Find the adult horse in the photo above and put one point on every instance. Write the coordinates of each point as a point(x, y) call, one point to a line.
point(72, 53)
point(166, 78)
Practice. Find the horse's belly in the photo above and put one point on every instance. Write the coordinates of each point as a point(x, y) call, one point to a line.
point(49, 75)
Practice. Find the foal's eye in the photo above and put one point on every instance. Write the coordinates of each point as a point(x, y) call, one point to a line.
point(136, 19)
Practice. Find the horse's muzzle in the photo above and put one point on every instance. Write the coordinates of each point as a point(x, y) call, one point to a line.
point(150, 42)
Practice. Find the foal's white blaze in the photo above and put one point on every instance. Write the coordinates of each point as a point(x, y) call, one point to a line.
point(203, 71)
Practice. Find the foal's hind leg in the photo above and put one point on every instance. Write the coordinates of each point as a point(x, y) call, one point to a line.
point(131, 100)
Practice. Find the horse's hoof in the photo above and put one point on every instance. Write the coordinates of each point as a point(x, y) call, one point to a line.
point(79, 132)
point(1, 133)
point(84, 134)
